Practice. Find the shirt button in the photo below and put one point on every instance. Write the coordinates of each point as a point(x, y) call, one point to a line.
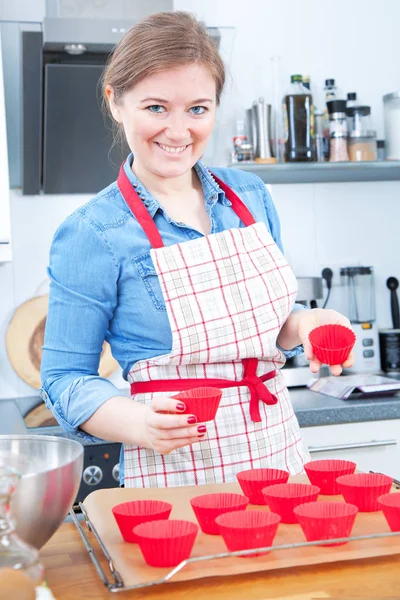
point(147, 203)
point(213, 197)
point(135, 185)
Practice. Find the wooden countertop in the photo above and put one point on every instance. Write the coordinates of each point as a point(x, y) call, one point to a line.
point(71, 575)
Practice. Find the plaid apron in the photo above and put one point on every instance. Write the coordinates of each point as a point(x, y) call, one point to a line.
point(227, 296)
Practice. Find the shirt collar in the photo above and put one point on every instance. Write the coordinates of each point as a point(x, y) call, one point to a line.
point(211, 189)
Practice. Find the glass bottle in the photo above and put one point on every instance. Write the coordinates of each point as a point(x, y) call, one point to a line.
point(15, 553)
point(298, 114)
point(330, 90)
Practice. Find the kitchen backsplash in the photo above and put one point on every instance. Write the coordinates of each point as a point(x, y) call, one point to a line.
point(322, 225)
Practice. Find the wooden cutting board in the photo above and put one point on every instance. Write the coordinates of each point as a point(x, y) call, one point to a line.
point(128, 560)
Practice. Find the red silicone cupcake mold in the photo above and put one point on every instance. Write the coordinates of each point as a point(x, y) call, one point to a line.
point(332, 344)
point(202, 402)
point(130, 514)
point(363, 489)
point(284, 497)
point(209, 506)
point(324, 473)
point(166, 543)
point(326, 520)
point(248, 529)
point(390, 505)
point(254, 481)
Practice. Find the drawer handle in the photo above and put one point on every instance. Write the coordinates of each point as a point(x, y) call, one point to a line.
point(370, 444)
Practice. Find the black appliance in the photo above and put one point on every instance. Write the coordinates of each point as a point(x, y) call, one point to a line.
point(67, 138)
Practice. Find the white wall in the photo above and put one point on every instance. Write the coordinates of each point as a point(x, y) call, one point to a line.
point(322, 225)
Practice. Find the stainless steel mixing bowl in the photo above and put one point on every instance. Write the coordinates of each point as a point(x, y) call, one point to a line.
point(52, 471)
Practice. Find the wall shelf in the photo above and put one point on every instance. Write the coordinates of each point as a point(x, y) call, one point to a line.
point(384, 170)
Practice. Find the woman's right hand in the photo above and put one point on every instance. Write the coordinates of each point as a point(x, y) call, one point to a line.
point(168, 429)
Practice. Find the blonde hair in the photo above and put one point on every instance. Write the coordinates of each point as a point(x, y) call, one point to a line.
point(158, 43)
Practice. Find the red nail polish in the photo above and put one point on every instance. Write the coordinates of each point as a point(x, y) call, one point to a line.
point(191, 420)
point(202, 429)
point(180, 406)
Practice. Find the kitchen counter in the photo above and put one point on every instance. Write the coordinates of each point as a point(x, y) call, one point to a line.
point(313, 409)
point(71, 574)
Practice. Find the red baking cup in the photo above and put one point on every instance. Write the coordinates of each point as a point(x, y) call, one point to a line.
point(248, 529)
point(166, 543)
point(202, 402)
point(130, 514)
point(254, 481)
point(363, 489)
point(326, 520)
point(284, 497)
point(209, 506)
point(324, 473)
point(390, 505)
point(332, 344)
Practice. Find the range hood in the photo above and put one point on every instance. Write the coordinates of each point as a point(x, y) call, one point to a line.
point(77, 27)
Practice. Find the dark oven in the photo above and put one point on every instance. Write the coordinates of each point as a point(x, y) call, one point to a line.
point(68, 143)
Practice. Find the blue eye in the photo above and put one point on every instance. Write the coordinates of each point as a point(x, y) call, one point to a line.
point(198, 110)
point(156, 108)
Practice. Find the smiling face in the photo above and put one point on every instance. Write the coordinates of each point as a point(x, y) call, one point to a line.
point(168, 119)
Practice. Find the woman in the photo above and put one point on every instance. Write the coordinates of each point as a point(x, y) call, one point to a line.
point(181, 270)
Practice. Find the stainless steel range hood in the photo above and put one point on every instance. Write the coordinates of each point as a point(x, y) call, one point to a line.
point(76, 27)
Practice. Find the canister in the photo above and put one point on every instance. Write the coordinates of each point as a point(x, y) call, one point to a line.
point(391, 113)
point(389, 344)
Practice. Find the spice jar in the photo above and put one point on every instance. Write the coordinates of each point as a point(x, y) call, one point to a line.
point(362, 146)
point(338, 130)
point(338, 147)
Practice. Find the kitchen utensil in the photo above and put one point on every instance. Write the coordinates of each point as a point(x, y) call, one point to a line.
point(393, 283)
point(48, 486)
point(14, 553)
point(209, 506)
point(253, 481)
point(323, 473)
point(25, 338)
point(248, 529)
point(284, 497)
point(326, 520)
point(202, 402)
point(389, 339)
point(390, 505)
point(332, 344)
point(358, 285)
point(130, 514)
point(363, 489)
point(166, 543)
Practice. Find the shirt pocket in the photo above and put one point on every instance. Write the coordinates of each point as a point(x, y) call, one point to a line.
point(148, 274)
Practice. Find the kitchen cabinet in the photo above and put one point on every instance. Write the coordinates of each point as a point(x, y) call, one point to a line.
point(373, 445)
point(5, 226)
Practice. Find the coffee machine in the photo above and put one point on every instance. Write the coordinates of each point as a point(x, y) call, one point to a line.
point(296, 371)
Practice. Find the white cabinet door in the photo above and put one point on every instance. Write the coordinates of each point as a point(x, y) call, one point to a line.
point(373, 445)
point(5, 229)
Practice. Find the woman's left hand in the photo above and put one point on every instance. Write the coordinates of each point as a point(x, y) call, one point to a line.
point(309, 320)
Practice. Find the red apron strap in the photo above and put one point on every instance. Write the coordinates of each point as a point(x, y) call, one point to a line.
point(258, 391)
point(237, 205)
point(146, 221)
point(138, 209)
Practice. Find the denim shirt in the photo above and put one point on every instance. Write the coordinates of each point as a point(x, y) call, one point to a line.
point(103, 286)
